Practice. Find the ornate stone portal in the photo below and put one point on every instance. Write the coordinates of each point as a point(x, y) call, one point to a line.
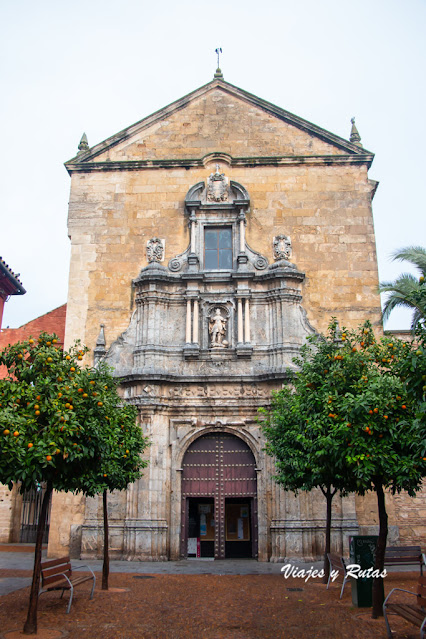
point(212, 335)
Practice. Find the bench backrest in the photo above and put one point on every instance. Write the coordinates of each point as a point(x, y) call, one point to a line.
point(403, 555)
point(52, 569)
point(337, 563)
point(421, 592)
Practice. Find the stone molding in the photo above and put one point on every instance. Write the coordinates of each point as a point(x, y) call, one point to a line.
point(275, 160)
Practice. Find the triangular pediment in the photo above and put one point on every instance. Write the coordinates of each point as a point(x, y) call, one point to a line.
point(218, 118)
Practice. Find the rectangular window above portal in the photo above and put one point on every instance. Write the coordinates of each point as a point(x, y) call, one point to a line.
point(218, 248)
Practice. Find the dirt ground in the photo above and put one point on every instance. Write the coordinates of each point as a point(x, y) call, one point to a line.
point(206, 606)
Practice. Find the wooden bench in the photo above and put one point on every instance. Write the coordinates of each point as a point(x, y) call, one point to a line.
point(337, 563)
point(404, 556)
point(415, 614)
point(57, 574)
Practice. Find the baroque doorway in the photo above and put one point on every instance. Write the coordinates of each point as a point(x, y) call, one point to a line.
point(219, 498)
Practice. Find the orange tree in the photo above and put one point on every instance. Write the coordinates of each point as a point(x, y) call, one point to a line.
point(118, 446)
point(62, 425)
point(303, 420)
point(356, 420)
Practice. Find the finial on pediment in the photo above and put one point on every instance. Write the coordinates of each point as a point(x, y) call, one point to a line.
point(83, 146)
point(355, 137)
point(100, 349)
point(218, 75)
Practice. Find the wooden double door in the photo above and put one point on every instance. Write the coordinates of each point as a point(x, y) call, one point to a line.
point(219, 498)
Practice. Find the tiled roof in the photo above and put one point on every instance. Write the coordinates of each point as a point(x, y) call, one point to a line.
point(15, 284)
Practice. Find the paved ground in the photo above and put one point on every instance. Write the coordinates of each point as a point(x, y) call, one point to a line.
point(25, 560)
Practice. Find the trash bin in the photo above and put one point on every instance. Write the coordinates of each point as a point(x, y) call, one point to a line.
point(363, 552)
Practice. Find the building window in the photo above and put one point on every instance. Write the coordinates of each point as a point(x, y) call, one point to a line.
point(218, 248)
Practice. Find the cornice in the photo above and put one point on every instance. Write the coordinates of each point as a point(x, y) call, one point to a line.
point(188, 163)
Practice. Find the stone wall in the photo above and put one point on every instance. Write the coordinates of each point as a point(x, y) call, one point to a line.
point(302, 182)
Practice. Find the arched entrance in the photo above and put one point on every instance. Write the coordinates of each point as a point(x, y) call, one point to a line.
point(219, 498)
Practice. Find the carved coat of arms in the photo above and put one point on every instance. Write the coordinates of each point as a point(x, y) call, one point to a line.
point(155, 250)
point(217, 186)
point(282, 247)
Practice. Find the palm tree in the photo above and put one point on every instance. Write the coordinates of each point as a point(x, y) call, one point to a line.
point(407, 290)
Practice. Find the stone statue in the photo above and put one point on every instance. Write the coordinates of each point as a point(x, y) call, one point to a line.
point(217, 330)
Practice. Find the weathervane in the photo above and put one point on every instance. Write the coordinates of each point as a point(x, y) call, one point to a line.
point(218, 51)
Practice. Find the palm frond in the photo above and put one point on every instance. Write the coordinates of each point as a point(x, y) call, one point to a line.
point(416, 255)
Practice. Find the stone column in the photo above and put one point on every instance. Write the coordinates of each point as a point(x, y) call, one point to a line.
point(188, 321)
point(192, 221)
point(242, 232)
point(246, 320)
point(195, 323)
point(240, 321)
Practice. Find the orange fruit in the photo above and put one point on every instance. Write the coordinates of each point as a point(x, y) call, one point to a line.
point(385, 417)
point(37, 413)
point(67, 357)
point(16, 433)
point(49, 359)
point(54, 341)
point(48, 343)
point(105, 475)
point(376, 410)
point(30, 341)
point(85, 395)
point(79, 358)
point(6, 431)
point(30, 445)
point(72, 369)
point(49, 457)
point(99, 403)
point(403, 406)
point(92, 382)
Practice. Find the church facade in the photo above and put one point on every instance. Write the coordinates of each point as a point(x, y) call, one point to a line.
point(209, 240)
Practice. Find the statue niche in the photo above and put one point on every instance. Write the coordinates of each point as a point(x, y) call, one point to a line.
point(218, 330)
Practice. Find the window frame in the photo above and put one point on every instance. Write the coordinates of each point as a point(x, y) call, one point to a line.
point(225, 250)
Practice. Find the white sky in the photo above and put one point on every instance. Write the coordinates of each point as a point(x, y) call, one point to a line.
point(100, 65)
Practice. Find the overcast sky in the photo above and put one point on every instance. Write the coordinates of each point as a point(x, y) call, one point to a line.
point(100, 65)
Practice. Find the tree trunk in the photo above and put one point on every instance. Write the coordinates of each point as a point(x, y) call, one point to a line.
point(30, 627)
point(378, 593)
point(105, 567)
point(328, 494)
